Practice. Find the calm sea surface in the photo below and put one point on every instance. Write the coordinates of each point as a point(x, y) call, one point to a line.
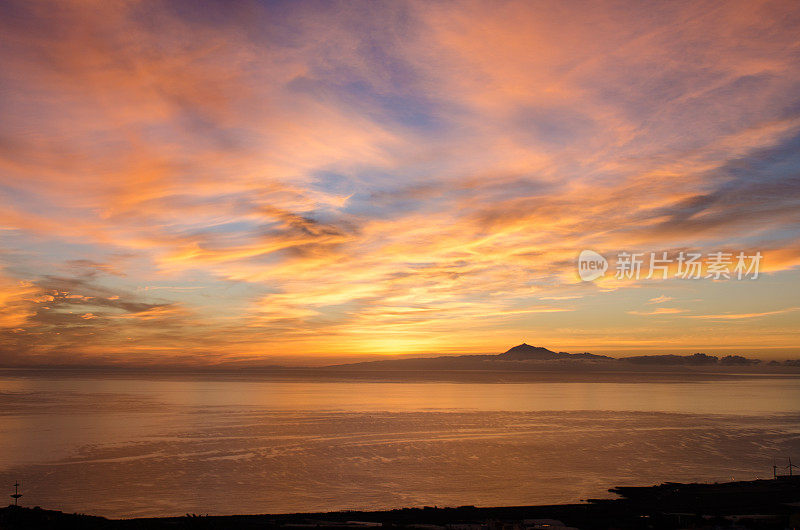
point(137, 446)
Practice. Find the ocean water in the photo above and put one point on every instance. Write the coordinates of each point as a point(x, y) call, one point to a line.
point(129, 446)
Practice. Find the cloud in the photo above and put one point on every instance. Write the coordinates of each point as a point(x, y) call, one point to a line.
point(659, 311)
point(741, 316)
point(660, 299)
point(216, 184)
point(15, 299)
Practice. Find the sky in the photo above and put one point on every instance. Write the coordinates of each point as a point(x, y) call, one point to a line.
point(241, 183)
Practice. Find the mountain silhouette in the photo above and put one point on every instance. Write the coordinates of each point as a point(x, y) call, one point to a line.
point(525, 357)
point(522, 356)
point(526, 352)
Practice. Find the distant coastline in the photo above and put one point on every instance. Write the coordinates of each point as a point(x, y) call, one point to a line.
point(537, 358)
point(522, 363)
point(759, 504)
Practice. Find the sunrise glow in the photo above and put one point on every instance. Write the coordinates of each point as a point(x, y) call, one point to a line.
point(302, 183)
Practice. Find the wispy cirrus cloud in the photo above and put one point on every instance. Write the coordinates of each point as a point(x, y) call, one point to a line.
point(741, 316)
point(239, 181)
point(659, 311)
point(660, 299)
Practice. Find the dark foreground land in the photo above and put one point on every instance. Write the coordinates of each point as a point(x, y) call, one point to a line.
point(767, 504)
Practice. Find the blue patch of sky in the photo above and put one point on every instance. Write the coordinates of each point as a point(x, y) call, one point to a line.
point(553, 126)
point(37, 254)
point(414, 111)
point(34, 203)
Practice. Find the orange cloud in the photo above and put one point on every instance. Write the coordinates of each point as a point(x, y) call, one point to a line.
point(740, 316)
point(212, 188)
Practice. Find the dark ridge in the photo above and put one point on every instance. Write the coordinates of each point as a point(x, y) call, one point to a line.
point(696, 359)
point(757, 504)
point(526, 352)
point(525, 357)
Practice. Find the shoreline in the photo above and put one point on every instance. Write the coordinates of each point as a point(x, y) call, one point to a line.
point(763, 503)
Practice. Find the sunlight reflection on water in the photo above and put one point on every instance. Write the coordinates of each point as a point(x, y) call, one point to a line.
point(127, 446)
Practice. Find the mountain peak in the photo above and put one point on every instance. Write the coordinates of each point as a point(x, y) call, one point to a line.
point(524, 352)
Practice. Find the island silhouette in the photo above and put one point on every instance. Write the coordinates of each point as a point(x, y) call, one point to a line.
point(525, 357)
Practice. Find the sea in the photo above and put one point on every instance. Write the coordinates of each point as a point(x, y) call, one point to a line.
point(142, 444)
